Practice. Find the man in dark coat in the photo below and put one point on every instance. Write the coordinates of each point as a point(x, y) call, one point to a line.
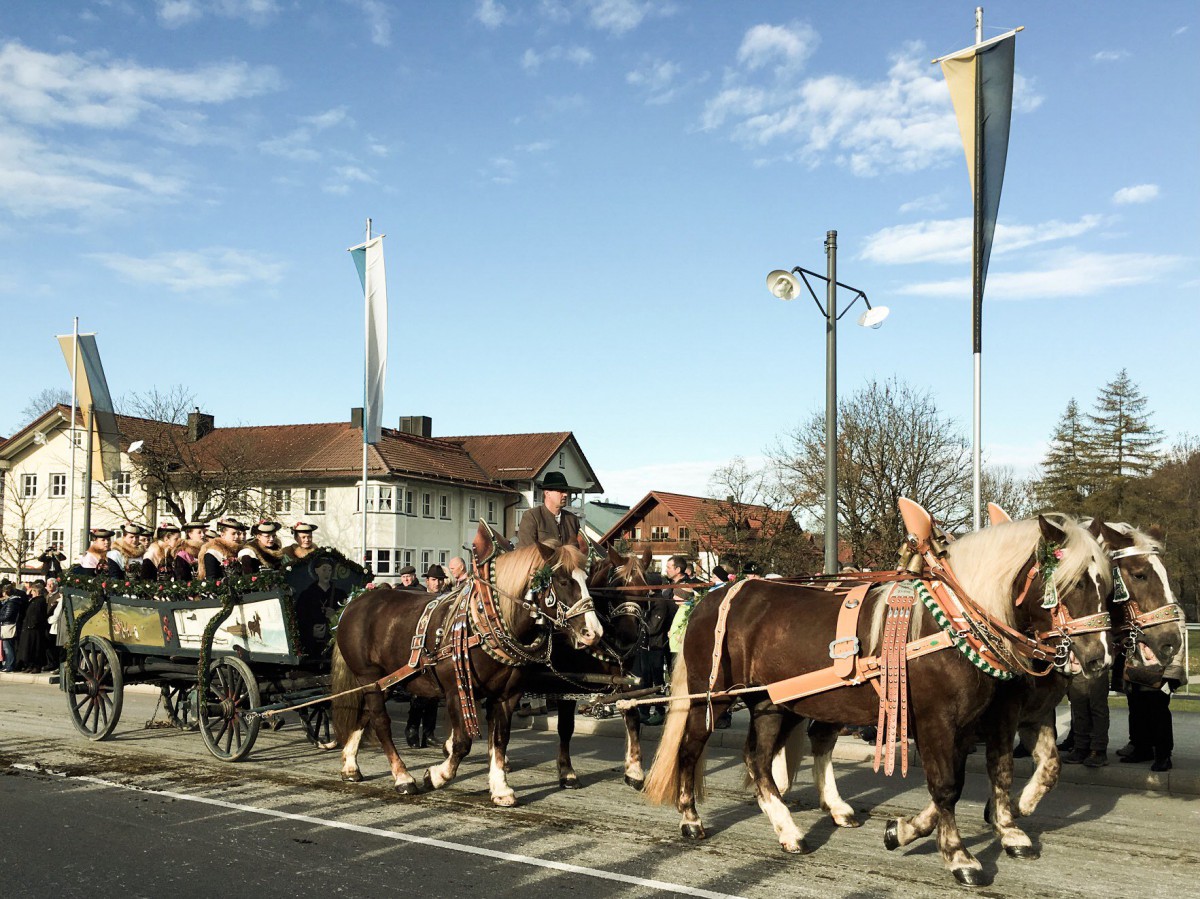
point(651, 661)
point(12, 611)
point(408, 580)
point(550, 522)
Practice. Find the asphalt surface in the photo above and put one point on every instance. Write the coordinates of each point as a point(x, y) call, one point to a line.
point(150, 813)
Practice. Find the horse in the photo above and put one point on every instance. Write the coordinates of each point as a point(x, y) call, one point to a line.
point(476, 641)
point(624, 635)
point(1146, 611)
point(776, 630)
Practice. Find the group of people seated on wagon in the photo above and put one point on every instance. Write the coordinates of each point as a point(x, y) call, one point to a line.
point(195, 550)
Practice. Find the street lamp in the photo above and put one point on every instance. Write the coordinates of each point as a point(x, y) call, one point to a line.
point(786, 286)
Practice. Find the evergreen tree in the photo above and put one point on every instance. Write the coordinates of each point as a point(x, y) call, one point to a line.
point(1067, 472)
point(1123, 444)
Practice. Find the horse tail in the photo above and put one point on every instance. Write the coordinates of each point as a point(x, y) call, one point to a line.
point(346, 709)
point(662, 782)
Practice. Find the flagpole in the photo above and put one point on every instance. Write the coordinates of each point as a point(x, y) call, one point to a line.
point(74, 431)
point(977, 296)
point(366, 387)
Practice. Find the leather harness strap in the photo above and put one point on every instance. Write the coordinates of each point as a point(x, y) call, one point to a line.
point(718, 649)
point(893, 705)
point(845, 648)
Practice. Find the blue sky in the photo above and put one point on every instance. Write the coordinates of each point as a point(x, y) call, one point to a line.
point(582, 199)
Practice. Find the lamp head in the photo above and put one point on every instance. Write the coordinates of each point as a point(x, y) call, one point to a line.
point(783, 284)
point(874, 316)
point(39, 438)
point(136, 446)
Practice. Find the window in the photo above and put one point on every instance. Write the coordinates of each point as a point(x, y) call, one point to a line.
point(408, 502)
point(123, 484)
point(77, 437)
point(163, 510)
point(28, 485)
point(444, 557)
point(562, 459)
point(279, 500)
point(57, 539)
point(58, 485)
point(426, 561)
point(385, 499)
point(444, 506)
point(28, 539)
point(406, 556)
point(316, 500)
point(358, 499)
point(637, 533)
point(684, 533)
point(491, 511)
point(379, 560)
point(427, 505)
point(659, 532)
point(472, 508)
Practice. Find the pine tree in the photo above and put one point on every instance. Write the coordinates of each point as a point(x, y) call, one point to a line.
point(1123, 443)
point(1067, 473)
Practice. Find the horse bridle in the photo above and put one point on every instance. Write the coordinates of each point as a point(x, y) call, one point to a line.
point(1136, 621)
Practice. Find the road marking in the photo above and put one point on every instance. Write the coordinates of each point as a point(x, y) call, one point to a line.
point(495, 854)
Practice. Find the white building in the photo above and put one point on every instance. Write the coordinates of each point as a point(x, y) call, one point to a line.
point(425, 495)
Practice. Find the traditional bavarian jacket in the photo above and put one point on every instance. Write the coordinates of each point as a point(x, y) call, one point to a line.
point(185, 561)
point(216, 558)
point(125, 563)
point(253, 557)
point(90, 564)
point(294, 552)
point(157, 565)
point(538, 525)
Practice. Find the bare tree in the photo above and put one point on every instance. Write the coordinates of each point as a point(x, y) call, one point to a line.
point(892, 442)
point(26, 521)
point(41, 403)
point(1012, 494)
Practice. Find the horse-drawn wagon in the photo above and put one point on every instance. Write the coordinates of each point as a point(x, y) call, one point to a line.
point(223, 653)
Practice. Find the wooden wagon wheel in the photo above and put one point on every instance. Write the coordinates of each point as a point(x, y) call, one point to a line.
point(228, 732)
point(180, 702)
point(318, 720)
point(94, 699)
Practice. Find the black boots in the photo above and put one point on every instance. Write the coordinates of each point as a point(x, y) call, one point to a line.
point(412, 735)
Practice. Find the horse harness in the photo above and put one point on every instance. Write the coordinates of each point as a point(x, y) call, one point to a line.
point(1136, 621)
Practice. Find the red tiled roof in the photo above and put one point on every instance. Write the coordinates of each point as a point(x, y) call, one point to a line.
point(690, 510)
point(512, 457)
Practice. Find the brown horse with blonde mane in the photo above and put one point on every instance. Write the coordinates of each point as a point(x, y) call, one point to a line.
point(776, 631)
point(474, 642)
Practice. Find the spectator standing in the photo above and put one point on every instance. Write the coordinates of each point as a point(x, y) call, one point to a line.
point(12, 608)
point(422, 710)
point(1089, 721)
point(1151, 735)
point(35, 631)
point(651, 662)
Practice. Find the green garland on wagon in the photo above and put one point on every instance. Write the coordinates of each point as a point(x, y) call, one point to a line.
point(180, 591)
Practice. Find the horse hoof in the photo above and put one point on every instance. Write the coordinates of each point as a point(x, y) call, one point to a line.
point(328, 747)
point(797, 848)
point(1025, 852)
point(847, 822)
point(351, 778)
point(569, 783)
point(635, 782)
point(408, 789)
point(989, 812)
point(428, 780)
point(970, 877)
point(504, 801)
point(891, 835)
point(693, 831)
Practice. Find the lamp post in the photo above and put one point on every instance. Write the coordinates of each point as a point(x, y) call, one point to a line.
point(786, 286)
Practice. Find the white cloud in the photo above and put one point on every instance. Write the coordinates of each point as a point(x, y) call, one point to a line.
point(928, 203)
point(491, 13)
point(789, 46)
point(297, 144)
point(622, 16)
point(903, 122)
point(187, 271)
point(501, 170)
point(177, 13)
point(1137, 193)
point(656, 81)
point(1065, 273)
point(378, 20)
point(344, 177)
point(949, 240)
point(1110, 55)
point(48, 89)
point(531, 60)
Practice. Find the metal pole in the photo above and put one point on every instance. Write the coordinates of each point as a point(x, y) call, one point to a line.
point(74, 430)
point(366, 384)
point(831, 548)
point(87, 475)
point(977, 300)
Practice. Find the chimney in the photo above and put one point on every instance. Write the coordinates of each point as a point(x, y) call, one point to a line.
point(356, 417)
point(419, 425)
point(199, 424)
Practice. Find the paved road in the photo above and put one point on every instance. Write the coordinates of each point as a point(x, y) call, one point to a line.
point(150, 813)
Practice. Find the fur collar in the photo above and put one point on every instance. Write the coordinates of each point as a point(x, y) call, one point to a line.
point(268, 558)
point(295, 551)
point(219, 547)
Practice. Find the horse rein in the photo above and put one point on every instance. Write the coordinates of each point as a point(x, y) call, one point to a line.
point(1137, 621)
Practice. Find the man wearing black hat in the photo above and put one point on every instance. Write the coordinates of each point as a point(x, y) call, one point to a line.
point(219, 555)
point(550, 522)
point(262, 551)
point(316, 604)
point(408, 579)
point(303, 543)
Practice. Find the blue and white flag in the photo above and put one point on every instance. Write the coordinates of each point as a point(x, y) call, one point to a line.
point(368, 259)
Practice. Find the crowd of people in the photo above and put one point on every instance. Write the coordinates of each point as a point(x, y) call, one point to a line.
point(30, 615)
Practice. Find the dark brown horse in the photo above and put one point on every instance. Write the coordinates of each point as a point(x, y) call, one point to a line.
point(578, 671)
point(535, 589)
point(776, 631)
point(1145, 613)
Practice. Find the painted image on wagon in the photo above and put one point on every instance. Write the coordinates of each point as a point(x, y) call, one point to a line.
point(130, 625)
point(257, 627)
